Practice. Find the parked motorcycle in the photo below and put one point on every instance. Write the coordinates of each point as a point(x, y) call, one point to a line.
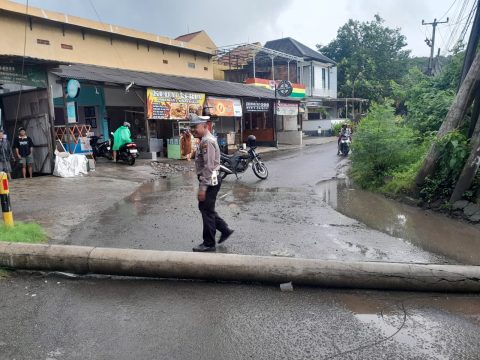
point(127, 153)
point(242, 160)
point(100, 149)
point(345, 145)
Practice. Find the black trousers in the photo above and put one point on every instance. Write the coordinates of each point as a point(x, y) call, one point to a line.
point(211, 221)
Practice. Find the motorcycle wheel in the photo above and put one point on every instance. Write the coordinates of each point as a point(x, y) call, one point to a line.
point(345, 150)
point(131, 160)
point(260, 170)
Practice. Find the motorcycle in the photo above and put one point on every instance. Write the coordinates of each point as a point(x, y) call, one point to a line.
point(127, 153)
point(242, 160)
point(100, 149)
point(345, 145)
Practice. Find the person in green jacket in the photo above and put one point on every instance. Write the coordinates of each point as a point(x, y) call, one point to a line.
point(121, 136)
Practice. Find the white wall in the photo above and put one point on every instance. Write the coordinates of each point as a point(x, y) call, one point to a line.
point(312, 125)
point(289, 137)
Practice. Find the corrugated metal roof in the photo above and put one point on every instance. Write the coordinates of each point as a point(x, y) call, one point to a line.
point(170, 82)
point(294, 47)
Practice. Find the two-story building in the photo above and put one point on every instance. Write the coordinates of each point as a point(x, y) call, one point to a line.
point(289, 59)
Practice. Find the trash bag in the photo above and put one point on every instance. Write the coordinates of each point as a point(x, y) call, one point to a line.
point(67, 165)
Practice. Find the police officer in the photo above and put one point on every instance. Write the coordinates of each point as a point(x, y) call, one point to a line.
point(207, 163)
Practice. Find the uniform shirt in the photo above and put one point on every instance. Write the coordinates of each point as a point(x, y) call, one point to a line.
point(207, 160)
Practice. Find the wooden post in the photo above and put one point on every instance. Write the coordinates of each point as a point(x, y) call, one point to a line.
point(453, 119)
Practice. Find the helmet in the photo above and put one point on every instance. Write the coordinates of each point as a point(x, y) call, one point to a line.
point(251, 141)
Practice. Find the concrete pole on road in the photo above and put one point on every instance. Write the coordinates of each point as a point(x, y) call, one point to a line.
point(229, 267)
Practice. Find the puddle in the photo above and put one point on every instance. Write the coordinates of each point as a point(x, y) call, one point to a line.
point(430, 231)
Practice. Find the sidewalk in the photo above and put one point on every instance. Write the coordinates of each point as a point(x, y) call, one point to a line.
point(307, 141)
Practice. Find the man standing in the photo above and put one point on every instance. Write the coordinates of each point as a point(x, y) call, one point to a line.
point(24, 148)
point(207, 163)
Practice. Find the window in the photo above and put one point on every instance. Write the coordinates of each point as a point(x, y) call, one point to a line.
point(90, 116)
point(205, 68)
point(324, 78)
point(313, 116)
point(43, 42)
point(191, 65)
point(67, 47)
point(165, 61)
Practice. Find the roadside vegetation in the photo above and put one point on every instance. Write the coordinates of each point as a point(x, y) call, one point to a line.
point(406, 111)
point(23, 233)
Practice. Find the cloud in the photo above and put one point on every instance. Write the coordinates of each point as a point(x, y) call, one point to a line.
point(230, 22)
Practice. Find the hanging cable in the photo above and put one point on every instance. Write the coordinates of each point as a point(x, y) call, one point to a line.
point(22, 72)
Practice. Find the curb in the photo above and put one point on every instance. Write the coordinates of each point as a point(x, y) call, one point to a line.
point(230, 267)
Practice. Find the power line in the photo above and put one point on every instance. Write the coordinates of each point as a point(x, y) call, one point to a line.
point(446, 12)
point(22, 71)
point(106, 29)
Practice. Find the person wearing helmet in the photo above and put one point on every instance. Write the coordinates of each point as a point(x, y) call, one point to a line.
point(121, 137)
point(207, 163)
point(343, 132)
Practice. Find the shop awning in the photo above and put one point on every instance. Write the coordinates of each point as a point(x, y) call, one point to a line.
point(170, 82)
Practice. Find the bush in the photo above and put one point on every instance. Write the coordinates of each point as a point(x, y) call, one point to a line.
point(383, 147)
point(454, 150)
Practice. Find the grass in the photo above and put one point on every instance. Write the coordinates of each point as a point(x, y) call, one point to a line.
point(23, 233)
point(3, 273)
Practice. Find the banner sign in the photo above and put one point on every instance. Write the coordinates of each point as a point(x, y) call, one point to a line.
point(257, 106)
point(174, 105)
point(71, 112)
point(31, 76)
point(287, 109)
point(224, 107)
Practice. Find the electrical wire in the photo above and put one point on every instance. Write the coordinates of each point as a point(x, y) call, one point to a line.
point(106, 29)
point(22, 72)
point(453, 34)
point(376, 343)
point(446, 12)
point(469, 22)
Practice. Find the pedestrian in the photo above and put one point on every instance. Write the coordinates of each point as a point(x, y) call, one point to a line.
point(5, 155)
point(24, 150)
point(207, 163)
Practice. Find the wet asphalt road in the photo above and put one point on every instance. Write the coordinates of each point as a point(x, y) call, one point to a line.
point(45, 316)
point(284, 215)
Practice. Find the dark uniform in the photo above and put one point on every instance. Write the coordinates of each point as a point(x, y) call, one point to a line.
point(207, 163)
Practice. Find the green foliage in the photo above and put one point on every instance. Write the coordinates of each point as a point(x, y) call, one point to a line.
point(3, 273)
point(425, 100)
point(383, 146)
point(369, 56)
point(454, 150)
point(24, 233)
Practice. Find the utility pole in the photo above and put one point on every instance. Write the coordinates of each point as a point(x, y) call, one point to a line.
point(431, 42)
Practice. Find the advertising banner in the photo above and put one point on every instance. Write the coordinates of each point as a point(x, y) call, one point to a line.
point(287, 109)
point(173, 105)
point(257, 106)
point(30, 76)
point(223, 107)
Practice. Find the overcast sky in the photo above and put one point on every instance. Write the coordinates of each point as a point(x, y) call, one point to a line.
point(309, 21)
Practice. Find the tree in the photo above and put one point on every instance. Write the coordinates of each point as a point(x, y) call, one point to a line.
point(454, 118)
point(369, 55)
